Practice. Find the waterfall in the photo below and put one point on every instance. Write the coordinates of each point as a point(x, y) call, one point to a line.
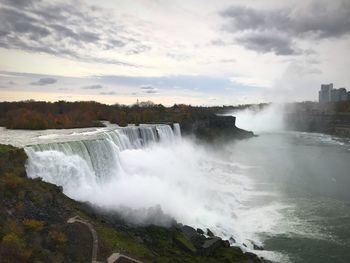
point(98, 157)
point(177, 129)
point(165, 132)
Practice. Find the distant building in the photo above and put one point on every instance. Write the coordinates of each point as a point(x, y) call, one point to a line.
point(328, 94)
point(343, 95)
point(324, 95)
point(335, 95)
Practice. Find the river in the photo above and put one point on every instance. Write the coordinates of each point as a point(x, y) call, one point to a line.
point(308, 178)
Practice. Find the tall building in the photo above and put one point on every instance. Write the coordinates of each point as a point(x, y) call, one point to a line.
point(328, 94)
point(325, 94)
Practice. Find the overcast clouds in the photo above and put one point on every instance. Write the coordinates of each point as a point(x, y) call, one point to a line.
point(199, 52)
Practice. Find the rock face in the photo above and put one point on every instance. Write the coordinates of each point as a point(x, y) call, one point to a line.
point(211, 244)
point(211, 127)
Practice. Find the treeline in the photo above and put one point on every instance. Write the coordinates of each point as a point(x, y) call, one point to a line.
point(61, 114)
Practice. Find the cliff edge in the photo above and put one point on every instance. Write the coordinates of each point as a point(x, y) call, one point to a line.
point(211, 127)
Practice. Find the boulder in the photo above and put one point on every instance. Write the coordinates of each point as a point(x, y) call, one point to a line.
point(196, 238)
point(257, 247)
point(189, 231)
point(225, 243)
point(232, 240)
point(209, 233)
point(252, 257)
point(200, 231)
point(210, 245)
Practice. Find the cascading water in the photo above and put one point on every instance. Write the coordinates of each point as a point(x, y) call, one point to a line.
point(148, 173)
point(177, 129)
point(100, 155)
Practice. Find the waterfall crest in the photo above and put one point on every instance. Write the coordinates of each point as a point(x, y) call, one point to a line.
point(100, 154)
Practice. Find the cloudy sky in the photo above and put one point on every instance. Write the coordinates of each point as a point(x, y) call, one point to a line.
point(194, 51)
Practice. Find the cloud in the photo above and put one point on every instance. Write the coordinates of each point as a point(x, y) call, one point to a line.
point(19, 3)
point(71, 30)
point(108, 93)
point(264, 43)
point(276, 30)
point(149, 89)
point(44, 81)
point(93, 87)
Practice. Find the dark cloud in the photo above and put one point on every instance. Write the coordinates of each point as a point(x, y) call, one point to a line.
point(268, 43)
point(108, 93)
point(92, 87)
point(275, 30)
point(44, 81)
point(73, 30)
point(19, 3)
point(149, 89)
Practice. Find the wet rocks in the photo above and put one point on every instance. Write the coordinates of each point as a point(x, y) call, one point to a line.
point(209, 233)
point(210, 245)
point(202, 244)
point(200, 231)
point(232, 240)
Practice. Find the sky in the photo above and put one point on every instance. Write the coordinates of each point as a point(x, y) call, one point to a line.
point(197, 52)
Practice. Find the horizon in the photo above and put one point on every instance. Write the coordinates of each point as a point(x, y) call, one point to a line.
point(242, 52)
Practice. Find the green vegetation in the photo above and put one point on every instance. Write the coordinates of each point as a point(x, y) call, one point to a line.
point(115, 240)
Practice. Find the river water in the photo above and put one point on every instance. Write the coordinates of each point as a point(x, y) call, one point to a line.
point(308, 178)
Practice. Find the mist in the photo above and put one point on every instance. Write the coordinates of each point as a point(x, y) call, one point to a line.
point(270, 118)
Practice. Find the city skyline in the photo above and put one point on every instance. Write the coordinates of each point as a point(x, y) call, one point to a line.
point(328, 94)
point(193, 52)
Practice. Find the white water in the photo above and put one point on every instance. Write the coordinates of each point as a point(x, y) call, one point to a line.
point(269, 119)
point(149, 174)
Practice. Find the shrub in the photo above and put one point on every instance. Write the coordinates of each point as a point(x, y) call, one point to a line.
point(34, 225)
point(11, 247)
point(57, 237)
